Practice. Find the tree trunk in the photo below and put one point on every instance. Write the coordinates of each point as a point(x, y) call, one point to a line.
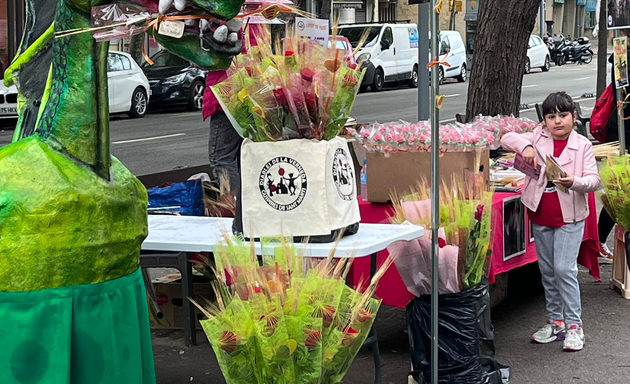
point(602, 49)
point(500, 53)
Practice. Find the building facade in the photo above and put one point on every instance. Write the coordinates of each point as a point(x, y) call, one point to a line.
point(11, 28)
point(571, 18)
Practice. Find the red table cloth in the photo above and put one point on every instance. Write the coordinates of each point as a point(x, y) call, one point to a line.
point(394, 293)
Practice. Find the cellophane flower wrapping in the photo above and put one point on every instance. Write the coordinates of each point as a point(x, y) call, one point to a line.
point(293, 89)
point(615, 176)
point(465, 222)
point(484, 132)
point(277, 322)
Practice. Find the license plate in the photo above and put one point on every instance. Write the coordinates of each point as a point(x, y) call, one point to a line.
point(5, 110)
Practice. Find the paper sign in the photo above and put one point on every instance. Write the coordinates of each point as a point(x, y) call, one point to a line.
point(413, 37)
point(620, 47)
point(172, 28)
point(312, 29)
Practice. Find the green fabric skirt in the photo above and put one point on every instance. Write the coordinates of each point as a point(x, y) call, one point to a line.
point(96, 334)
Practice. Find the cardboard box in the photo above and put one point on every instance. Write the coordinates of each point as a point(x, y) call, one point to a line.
point(168, 292)
point(401, 171)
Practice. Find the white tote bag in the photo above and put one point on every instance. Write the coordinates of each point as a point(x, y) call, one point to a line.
point(297, 187)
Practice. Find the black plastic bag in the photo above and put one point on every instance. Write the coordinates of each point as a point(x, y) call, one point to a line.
point(466, 339)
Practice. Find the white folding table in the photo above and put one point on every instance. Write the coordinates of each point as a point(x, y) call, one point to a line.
point(173, 239)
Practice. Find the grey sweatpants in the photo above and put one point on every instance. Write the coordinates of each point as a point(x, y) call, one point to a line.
point(557, 250)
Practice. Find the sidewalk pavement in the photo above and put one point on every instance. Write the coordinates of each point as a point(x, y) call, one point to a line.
point(605, 359)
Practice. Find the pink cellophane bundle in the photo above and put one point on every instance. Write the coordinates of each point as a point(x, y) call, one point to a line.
point(484, 132)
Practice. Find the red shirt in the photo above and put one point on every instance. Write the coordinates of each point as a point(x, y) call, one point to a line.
point(210, 102)
point(549, 212)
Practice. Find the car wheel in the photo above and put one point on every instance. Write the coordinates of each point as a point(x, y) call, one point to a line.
point(463, 75)
point(547, 65)
point(379, 81)
point(413, 82)
point(441, 75)
point(528, 69)
point(195, 102)
point(139, 103)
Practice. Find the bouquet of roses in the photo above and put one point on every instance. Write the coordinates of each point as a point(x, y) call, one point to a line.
point(464, 237)
point(289, 89)
point(482, 133)
point(615, 176)
point(278, 323)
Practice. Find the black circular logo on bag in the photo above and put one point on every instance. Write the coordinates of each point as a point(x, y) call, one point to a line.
point(343, 175)
point(282, 183)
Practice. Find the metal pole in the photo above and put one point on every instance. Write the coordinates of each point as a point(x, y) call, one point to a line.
point(435, 192)
point(10, 30)
point(541, 18)
point(423, 61)
point(620, 121)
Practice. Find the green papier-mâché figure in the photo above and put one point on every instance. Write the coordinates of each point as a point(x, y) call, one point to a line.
point(72, 218)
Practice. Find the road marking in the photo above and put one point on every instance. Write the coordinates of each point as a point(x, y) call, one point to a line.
point(149, 138)
point(582, 78)
point(574, 69)
point(448, 120)
point(529, 86)
point(453, 95)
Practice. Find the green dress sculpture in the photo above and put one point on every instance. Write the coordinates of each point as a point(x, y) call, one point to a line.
point(72, 218)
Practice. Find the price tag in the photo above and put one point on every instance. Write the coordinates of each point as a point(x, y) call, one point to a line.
point(172, 28)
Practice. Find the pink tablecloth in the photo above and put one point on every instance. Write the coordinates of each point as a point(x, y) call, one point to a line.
point(392, 290)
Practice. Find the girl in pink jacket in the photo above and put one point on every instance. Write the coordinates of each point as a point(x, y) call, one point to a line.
point(557, 209)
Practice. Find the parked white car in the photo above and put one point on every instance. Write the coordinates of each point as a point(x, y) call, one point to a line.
point(537, 55)
point(451, 43)
point(129, 89)
point(8, 102)
point(390, 52)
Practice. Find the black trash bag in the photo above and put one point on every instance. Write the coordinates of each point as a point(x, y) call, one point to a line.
point(458, 337)
point(493, 372)
point(466, 338)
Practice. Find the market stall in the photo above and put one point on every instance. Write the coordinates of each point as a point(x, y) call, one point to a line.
point(393, 291)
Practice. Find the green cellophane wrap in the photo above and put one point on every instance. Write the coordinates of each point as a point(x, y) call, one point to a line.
point(232, 336)
point(615, 176)
point(307, 357)
point(347, 337)
point(96, 334)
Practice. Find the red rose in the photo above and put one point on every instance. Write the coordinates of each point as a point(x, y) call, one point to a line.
point(280, 97)
point(313, 338)
point(479, 212)
point(363, 316)
point(228, 341)
point(349, 335)
point(307, 74)
point(441, 242)
point(288, 53)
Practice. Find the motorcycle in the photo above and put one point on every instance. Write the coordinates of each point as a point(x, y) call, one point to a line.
point(556, 50)
point(578, 51)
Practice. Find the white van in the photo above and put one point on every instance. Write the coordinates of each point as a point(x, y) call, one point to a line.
point(391, 51)
point(451, 42)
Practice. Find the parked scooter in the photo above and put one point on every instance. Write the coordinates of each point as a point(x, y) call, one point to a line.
point(578, 51)
point(556, 49)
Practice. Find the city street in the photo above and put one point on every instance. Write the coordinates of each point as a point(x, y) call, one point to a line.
point(163, 141)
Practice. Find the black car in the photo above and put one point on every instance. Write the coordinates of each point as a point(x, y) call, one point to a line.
point(175, 82)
